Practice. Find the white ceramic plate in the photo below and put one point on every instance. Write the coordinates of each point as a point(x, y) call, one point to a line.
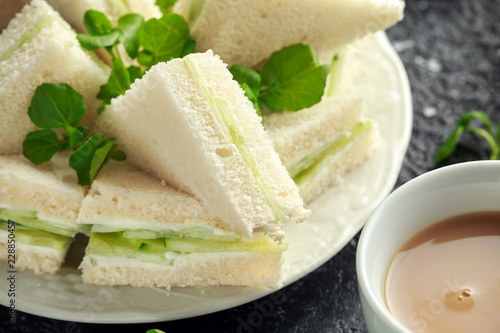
point(337, 216)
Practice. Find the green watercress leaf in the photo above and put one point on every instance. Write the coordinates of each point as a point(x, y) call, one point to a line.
point(90, 157)
point(93, 43)
point(118, 82)
point(40, 146)
point(128, 27)
point(118, 155)
point(56, 105)
point(162, 39)
point(189, 46)
point(96, 23)
point(292, 79)
point(75, 137)
point(165, 5)
point(250, 82)
point(135, 73)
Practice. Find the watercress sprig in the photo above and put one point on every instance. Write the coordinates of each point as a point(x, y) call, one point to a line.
point(292, 79)
point(489, 134)
point(59, 106)
point(147, 42)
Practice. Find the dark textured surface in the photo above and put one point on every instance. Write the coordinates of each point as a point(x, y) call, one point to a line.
point(451, 50)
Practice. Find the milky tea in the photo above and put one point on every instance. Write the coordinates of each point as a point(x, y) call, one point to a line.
point(446, 278)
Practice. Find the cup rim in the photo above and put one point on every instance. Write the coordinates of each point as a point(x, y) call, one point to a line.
point(376, 304)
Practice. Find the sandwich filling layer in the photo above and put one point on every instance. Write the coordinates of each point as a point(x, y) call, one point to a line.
point(30, 219)
point(233, 134)
point(164, 246)
point(305, 170)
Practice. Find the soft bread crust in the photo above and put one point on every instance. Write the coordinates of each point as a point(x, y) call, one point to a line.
point(53, 56)
point(205, 269)
point(247, 32)
point(166, 126)
point(294, 134)
point(39, 259)
point(343, 162)
point(124, 196)
point(51, 189)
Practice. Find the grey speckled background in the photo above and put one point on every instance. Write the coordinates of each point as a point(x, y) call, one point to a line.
point(451, 50)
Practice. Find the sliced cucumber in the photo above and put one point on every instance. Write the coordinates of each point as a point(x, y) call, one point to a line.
point(26, 218)
point(194, 232)
point(36, 237)
point(304, 171)
point(113, 245)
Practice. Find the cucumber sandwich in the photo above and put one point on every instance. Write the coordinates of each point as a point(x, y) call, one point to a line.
point(145, 233)
point(320, 144)
point(187, 122)
point(44, 202)
point(39, 46)
point(247, 32)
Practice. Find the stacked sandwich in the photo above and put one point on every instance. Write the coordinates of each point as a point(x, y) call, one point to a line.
point(205, 191)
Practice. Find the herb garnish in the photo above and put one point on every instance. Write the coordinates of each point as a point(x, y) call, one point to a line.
point(291, 80)
point(148, 43)
point(58, 105)
point(450, 144)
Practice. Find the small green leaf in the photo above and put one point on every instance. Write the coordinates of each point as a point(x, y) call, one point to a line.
point(118, 155)
point(249, 81)
point(162, 39)
point(96, 23)
point(93, 43)
point(449, 145)
point(84, 130)
point(75, 137)
point(128, 26)
point(246, 75)
point(189, 46)
point(40, 146)
point(154, 331)
point(118, 82)
point(90, 157)
point(165, 5)
point(56, 105)
point(135, 73)
point(292, 79)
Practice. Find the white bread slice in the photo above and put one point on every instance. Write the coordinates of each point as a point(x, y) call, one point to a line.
point(39, 259)
point(51, 189)
point(295, 134)
point(167, 127)
point(122, 196)
point(54, 55)
point(247, 32)
point(205, 269)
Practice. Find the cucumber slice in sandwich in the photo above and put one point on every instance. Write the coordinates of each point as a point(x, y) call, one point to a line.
point(146, 233)
point(320, 144)
point(39, 46)
point(44, 202)
point(187, 122)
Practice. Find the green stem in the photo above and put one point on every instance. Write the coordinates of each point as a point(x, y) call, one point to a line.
point(491, 140)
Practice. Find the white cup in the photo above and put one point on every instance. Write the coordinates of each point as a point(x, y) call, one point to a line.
point(429, 198)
